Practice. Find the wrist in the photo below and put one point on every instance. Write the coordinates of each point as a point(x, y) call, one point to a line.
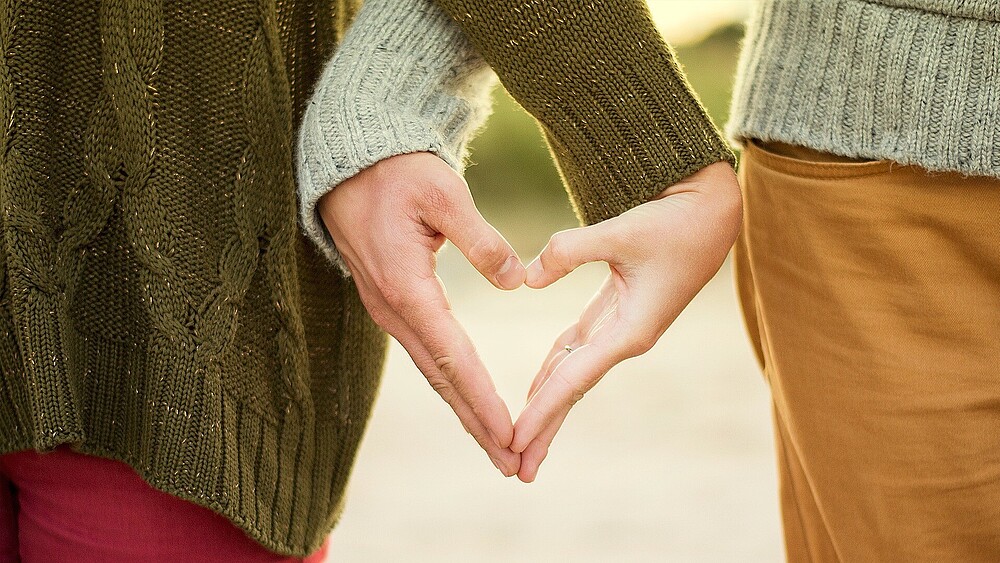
point(718, 177)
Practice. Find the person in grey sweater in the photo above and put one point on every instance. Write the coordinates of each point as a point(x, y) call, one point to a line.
point(869, 270)
point(868, 266)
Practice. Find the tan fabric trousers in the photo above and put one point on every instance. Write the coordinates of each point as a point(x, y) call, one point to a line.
point(871, 292)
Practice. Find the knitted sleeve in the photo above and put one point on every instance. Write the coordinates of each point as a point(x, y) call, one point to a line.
point(404, 79)
point(607, 90)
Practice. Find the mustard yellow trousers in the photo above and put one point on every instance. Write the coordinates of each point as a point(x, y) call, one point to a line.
point(871, 292)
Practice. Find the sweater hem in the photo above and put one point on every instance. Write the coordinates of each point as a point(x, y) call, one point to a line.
point(163, 483)
point(263, 459)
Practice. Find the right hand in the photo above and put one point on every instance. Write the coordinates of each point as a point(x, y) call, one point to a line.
point(660, 254)
point(388, 222)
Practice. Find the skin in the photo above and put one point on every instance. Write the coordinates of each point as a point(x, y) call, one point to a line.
point(389, 221)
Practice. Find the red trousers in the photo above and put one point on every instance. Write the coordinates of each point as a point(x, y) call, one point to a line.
point(66, 506)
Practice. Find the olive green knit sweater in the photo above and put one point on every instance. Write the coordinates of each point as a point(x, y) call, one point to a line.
point(159, 302)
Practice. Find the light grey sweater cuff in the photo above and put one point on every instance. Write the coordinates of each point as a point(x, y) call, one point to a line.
point(915, 82)
point(404, 79)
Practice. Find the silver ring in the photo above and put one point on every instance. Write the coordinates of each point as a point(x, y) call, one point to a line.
point(568, 348)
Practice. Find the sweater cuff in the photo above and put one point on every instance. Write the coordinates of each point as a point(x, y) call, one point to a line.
point(620, 118)
point(403, 80)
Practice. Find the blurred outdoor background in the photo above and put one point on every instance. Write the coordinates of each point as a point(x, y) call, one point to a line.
point(669, 458)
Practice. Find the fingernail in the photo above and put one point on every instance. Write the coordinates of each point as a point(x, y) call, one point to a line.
point(511, 274)
point(534, 270)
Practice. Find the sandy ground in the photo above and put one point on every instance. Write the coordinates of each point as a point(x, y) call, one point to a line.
point(669, 458)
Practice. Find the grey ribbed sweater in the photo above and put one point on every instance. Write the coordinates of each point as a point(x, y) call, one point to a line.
point(914, 81)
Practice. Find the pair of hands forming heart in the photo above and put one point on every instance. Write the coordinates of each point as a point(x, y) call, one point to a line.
point(389, 221)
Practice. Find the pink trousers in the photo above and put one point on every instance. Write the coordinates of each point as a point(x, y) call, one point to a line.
point(66, 506)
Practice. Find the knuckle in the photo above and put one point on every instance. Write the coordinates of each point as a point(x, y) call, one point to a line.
point(446, 365)
point(397, 290)
point(439, 196)
point(559, 250)
point(488, 252)
point(541, 414)
point(380, 317)
point(443, 387)
point(395, 297)
point(377, 312)
point(477, 405)
point(640, 345)
point(449, 366)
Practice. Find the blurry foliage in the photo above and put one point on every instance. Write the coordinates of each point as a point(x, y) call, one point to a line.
point(512, 175)
point(710, 66)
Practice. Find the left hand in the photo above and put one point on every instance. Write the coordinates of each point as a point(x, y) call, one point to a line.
point(388, 222)
point(660, 254)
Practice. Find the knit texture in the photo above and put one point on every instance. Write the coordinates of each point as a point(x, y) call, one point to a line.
point(617, 112)
point(913, 81)
point(405, 79)
point(159, 304)
point(159, 301)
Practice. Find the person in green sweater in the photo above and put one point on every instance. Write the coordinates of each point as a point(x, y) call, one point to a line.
point(173, 316)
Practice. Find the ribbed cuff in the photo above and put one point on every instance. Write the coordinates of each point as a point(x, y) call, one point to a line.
point(866, 79)
point(403, 80)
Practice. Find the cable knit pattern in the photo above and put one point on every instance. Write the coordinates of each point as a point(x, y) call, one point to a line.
point(914, 81)
point(405, 79)
point(160, 303)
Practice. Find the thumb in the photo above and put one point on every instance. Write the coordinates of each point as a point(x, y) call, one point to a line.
point(569, 249)
point(483, 246)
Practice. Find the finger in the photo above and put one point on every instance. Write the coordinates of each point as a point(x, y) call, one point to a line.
point(569, 249)
point(538, 449)
point(601, 305)
point(550, 363)
point(429, 317)
point(395, 325)
point(485, 248)
point(556, 354)
point(566, 385)
point(503, 458)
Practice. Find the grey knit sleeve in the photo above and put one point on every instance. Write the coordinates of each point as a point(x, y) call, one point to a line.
point(404, 79)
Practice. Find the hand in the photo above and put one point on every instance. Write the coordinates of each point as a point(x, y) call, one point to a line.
point(660, 254)
point(388, 223)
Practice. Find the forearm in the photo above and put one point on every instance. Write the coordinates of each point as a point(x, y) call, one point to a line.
point(404, 79)
point(619, 116)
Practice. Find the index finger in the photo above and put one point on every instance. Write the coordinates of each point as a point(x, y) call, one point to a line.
point(428, 314)
point(576, 374)
point(506, 461)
